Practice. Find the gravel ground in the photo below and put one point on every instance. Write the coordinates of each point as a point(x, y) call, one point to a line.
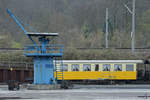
point(77, 94)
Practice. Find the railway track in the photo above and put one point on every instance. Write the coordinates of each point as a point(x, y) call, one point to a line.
point(80, 48)
point(11, 49)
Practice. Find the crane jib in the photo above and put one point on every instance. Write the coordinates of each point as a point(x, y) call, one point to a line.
point(16, 20)
point(20, 25)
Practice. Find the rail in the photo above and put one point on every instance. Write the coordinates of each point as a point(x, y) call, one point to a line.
point(137, 50)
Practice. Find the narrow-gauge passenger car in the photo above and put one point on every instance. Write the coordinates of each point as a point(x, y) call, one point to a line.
point(98, 70)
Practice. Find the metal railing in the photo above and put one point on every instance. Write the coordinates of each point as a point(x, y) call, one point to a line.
point(48, 50)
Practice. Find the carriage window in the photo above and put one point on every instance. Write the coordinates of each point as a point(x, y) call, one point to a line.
point(65, 67)
point(117, 67)
point(106, 67)
point(86, 67)
point(75, 67)
point(96, 67)
point(129, 67)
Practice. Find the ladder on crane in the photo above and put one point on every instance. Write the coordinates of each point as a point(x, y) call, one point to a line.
point(59, 69)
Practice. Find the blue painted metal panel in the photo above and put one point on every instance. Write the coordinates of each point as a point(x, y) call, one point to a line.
point(43, 70)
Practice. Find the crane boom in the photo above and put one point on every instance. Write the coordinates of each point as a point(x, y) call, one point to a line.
point(16, 20)
point(19, 24)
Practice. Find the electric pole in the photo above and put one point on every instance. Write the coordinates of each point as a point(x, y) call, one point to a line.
point(133, 24)
point(106, 35)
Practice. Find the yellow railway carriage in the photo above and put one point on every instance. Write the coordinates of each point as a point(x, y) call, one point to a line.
point(97, 70)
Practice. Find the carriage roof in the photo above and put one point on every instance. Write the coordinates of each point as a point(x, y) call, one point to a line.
point(102, 61)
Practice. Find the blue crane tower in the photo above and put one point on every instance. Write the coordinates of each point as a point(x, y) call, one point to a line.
point(43, 53)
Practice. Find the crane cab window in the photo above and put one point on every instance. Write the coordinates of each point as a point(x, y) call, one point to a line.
point(75, 67)
point(65, 67)
point(129, 67)
point(96, 67)
point(86, 67)
point(106, 67)
point(117, 67)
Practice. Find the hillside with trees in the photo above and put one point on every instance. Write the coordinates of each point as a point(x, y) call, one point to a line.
point(81, 23)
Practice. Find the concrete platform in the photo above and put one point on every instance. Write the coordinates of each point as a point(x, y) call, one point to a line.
point(77, 94)
point(43, 87)
point(133, 86)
